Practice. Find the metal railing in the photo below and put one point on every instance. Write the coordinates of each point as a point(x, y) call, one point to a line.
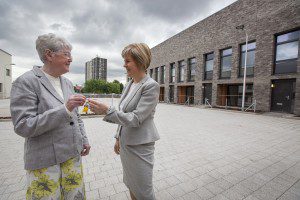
point(251, 104)
point(206, 102)
point(190, 100)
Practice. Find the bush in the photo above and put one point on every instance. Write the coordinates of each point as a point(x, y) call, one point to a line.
point(102, 87)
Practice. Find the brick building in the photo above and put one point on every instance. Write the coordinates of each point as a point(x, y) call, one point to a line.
point(206, 61)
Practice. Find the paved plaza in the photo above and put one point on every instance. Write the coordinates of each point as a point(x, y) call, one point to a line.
point(202, 154)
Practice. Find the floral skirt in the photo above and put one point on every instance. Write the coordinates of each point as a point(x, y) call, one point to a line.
point(60, 182)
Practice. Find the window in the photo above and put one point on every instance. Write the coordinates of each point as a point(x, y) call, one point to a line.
point(162, 77)
point(235, 95)
point(250, 59)
point(7, 72)
point(0, 87)
point(192, 69)
point(156, 73)
point(151, 73)
point(287, 48)
point(181, 65)
point(226, 63)
point(172, 72)
point(209, 65)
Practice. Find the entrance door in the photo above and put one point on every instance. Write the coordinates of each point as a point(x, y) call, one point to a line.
point(181, 93)
point(162, 94)
point(207, 92)
point(171, 93)
point(190, 94)
point(283, 95)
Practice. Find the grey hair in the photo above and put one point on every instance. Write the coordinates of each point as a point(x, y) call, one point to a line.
point(52, 42)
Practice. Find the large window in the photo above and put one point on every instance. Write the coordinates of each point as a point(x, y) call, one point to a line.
point(192, 69)
point(226, 63)
point(209, 65)
point(181, 65)
point(235, 95)
point(172, 72)
point(287, 51)
point(151, 73)
point(7, 72)
point(156, 73)
point(250, 59)
point(162, 75)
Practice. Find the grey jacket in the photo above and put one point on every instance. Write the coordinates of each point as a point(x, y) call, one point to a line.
point(52, 136)
point(135, 120)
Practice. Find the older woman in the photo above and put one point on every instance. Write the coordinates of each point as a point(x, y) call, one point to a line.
point(44, 112)
point(136, 133)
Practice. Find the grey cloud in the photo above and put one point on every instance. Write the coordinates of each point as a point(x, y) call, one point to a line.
point(94, 27)
point(174, 10)
point(56, 26)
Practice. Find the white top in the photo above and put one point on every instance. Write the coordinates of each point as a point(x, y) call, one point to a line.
point(132, 87)
point(55, 82)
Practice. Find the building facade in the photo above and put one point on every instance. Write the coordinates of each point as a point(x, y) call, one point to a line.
point(205, 63)
point(5, 74)
point(96, 69)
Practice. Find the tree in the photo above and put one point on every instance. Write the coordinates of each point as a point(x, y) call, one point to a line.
point(102, 87)
point(121, 85)
point(113, 88)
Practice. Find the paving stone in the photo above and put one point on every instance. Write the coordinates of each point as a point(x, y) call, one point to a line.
point(267, 192)
point(94, 194)
point(163, 195)
point(257, 160)
point(176, 191)
point(190, 196)
point(119, 196)
point(204, 193)
point(289, 196)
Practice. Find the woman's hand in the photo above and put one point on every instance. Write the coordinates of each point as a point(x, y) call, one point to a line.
point(75, 101)
point(117, 147)
point(86, 150)
point(97, 107)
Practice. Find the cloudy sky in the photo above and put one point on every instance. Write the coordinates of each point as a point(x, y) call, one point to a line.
point(95, 27)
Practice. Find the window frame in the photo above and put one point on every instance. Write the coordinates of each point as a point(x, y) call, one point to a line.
point(172, 67)
point(241, 56)
point(205, 65)
point(156, 74)
point(8, 72)
point(190, 64)
point(162, 74)
point(275, 63)
point(221, 62)
point(181, 69)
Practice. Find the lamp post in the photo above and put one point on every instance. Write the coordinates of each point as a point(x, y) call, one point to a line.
point(241, 27)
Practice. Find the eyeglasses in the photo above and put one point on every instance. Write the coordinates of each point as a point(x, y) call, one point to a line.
point(66, 54)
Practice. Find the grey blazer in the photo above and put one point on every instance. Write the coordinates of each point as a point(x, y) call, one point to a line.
point(52, 136)
point(135, 120)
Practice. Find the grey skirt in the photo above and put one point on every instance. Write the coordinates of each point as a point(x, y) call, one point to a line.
point(137, 162)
